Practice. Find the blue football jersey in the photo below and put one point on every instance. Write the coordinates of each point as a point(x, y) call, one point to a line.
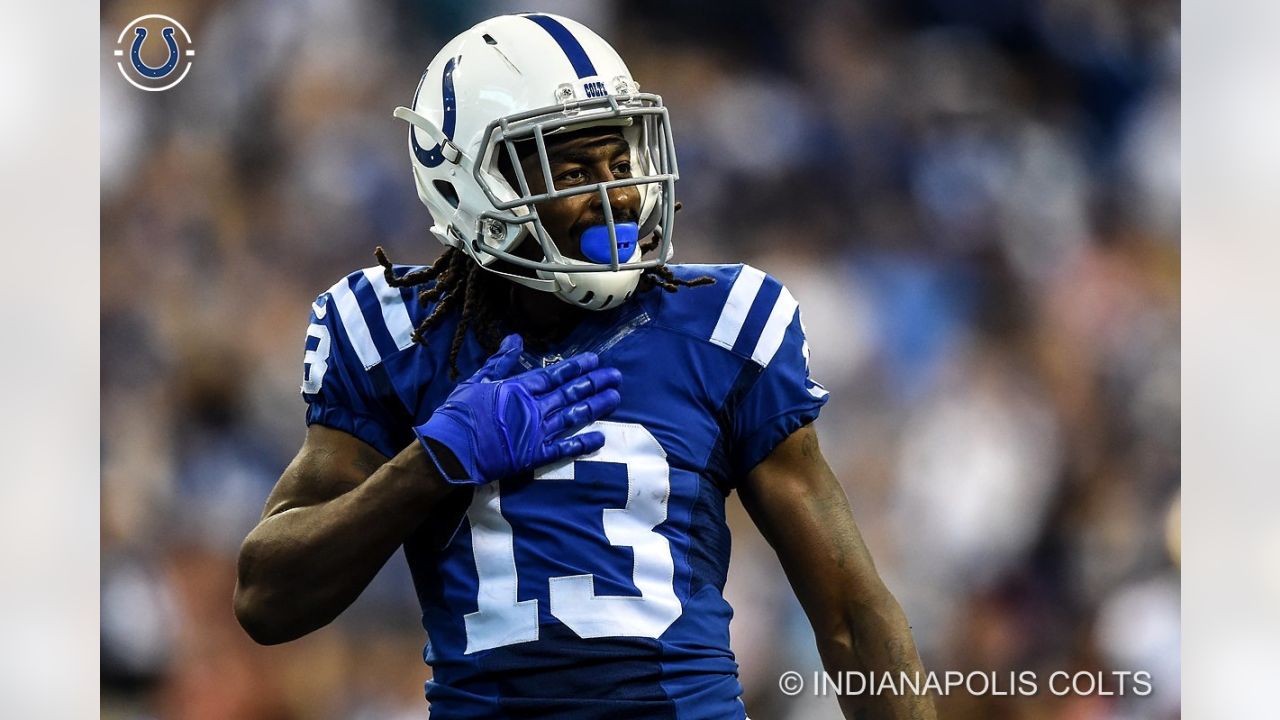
point(590, 588)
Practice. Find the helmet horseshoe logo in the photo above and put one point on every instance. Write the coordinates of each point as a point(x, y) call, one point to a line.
point(433, 157)
point(135, 54)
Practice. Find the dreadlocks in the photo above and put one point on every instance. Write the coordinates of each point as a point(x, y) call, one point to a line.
point(455, 279)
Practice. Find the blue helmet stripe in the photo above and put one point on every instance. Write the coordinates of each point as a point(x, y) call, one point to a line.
point(568, 43)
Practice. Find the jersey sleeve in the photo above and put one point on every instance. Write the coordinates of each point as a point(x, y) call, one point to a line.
point(336, 382)
point(776, 396)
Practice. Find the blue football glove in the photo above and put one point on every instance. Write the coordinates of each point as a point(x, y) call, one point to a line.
point(494, 425)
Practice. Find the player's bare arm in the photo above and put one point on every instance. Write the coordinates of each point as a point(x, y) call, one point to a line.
point(336, 515)
point(799, 506)
point(341, 508)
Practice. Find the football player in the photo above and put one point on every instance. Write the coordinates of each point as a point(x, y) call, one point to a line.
point(550, 417)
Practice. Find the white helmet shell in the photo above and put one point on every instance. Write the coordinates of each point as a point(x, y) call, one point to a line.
point(524, 77)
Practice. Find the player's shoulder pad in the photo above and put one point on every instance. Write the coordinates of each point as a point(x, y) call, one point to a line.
point(372, 318)
point(746, 311)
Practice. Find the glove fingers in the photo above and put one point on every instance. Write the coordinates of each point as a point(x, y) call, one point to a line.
point(563, 372)
point(501, 363)
point(544, 380)
point(509, 363)
point(574, 446)
point(583, 413)
point(579, 389)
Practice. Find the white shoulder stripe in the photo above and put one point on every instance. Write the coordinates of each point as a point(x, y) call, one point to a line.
point(741, 296)
point(775, 328)
point(353, 322)
point(394, 313)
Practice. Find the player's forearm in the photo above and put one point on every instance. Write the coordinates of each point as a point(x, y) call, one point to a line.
point(302, 566)
point(873, 637)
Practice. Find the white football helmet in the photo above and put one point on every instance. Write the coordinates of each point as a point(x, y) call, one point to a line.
point(525, 77)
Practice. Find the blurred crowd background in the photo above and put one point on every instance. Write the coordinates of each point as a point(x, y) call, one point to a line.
point(976, 204)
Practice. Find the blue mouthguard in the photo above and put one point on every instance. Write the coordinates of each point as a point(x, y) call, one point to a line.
point(595, 242)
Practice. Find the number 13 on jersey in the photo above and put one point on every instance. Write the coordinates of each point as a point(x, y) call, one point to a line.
point(502, 619)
